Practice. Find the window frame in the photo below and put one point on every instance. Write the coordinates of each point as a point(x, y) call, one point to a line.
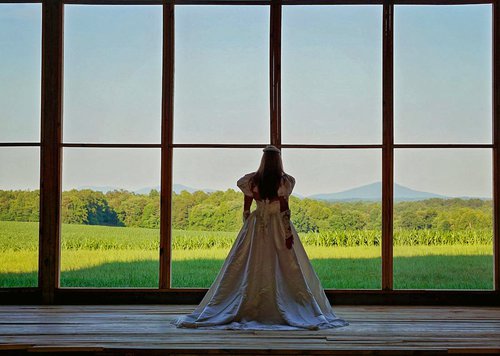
point(51, 145)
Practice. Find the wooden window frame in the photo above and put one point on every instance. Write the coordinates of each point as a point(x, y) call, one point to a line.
point(51, 145)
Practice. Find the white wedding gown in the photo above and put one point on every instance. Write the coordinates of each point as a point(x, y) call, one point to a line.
point(263, 285)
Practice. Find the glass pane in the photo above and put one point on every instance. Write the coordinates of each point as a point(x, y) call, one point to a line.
point(221, 74)
point(337, 213)
point(443, 219)
point(443, 74)
point(20, 72)
point(19, 213)
point(207, 209)
point(110, 218)
point(332, 74)
point(112, 73)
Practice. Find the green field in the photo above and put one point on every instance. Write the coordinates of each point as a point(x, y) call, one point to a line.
point(98, 256)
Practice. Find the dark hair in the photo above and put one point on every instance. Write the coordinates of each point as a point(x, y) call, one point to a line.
point(269, 174)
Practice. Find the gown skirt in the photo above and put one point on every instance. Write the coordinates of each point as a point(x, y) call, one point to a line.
point(262, 284)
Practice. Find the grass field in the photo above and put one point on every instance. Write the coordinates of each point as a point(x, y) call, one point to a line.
point(96, 256)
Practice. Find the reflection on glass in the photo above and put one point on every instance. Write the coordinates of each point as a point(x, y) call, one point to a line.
point(221, 74)
point(19, 214)
point(336, 209)
point(110, 218)
point(112, 73)
point(207, 209)
point(443, 219)
point(442, 74)
point(20, 72)
point(332, 74)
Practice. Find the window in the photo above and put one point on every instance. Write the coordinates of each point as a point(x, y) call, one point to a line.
point(20, 81)
point(207, 209)
point(442, 74)
point(164, 106)
point(221, 97)
point(443, 225)
point(221, 74)
point(336, 211)
point(111, 195)
point(443, 221)
point(332, 74)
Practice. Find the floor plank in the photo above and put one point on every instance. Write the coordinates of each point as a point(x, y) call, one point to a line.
point(146, 329)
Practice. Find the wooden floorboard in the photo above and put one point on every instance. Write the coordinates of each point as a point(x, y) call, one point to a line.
point(146, 329)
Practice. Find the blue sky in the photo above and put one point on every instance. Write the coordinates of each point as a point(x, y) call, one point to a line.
point(331, 93)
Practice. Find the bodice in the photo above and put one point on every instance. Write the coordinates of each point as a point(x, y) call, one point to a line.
point(264, 211)
point(267, 207)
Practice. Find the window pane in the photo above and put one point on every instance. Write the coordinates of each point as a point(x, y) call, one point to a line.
point(110, 218)
point(19, 214)
point(112, 73)
point(207, 209)
point(443, 219)
point(332, 74)
point(442, 74)
point(20, 72)
point(337, 213)
point(221, 74)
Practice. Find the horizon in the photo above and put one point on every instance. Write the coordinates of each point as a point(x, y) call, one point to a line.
point(179, 187)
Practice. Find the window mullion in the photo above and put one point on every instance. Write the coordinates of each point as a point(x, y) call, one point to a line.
point(50, 152)
point(166, 146)
point(496, 143)
point(387, 145)
point(275, 72)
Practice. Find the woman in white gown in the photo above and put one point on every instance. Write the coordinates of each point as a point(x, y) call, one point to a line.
point(267, 281)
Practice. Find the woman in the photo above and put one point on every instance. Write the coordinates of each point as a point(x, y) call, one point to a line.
point(267, 281)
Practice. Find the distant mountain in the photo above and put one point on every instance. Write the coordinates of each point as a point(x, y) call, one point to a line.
point(297, 195)
point(373, 192)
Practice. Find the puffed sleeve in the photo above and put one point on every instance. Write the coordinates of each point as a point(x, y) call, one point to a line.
point(286, 186)
point(245, 184)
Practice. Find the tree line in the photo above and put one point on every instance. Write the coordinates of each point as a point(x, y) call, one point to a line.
point(222, 210)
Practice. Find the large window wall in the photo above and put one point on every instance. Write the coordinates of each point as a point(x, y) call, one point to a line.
point(385, 114)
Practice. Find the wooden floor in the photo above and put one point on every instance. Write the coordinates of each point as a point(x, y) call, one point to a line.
point(145, 329)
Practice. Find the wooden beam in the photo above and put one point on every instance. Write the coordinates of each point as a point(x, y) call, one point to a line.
point(20, 1)
point(275, 72)
point(113, 2)
point(112, 145)
point(166, 145)
point(260, 2)
point(255, 145)
point(20, 295)
point(194, 296)
point(223, 2)
point(496, 144)
point(20, 144)
point(442, 2)
point(336, 297)
point(332, 2)
point(50, 153)
point(388, 149)
point(341, 147)
point(218, 145)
